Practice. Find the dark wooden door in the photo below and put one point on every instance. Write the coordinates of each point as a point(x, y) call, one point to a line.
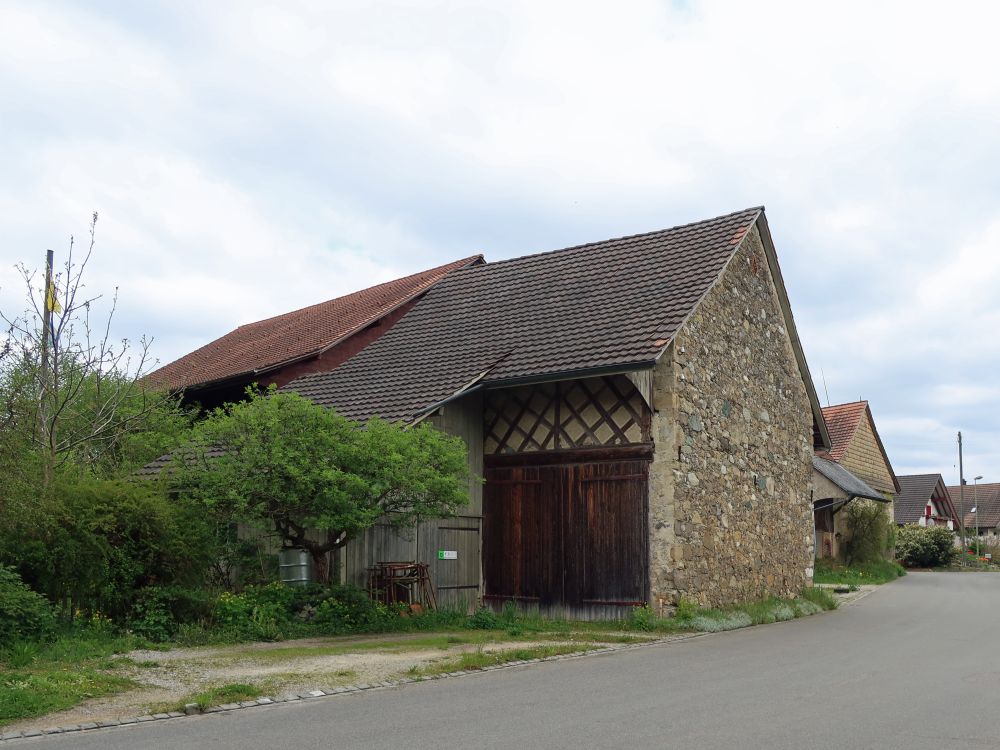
point(570, 536)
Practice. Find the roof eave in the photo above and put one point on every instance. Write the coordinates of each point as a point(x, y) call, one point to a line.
point(480, 383)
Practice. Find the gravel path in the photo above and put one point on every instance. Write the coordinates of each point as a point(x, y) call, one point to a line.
point(168, 677)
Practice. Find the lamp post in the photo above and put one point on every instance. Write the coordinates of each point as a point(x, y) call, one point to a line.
point(975, 509)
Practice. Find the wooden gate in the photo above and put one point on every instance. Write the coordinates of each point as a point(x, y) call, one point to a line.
point(567, 533)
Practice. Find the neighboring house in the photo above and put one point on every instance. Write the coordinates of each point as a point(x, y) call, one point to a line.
point(856, 448)
point(923, 499)
point(985, 498)
point(642, 412)
point(313, 339)
point(833, 488)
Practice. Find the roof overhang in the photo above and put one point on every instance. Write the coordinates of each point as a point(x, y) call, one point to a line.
point(851, 485)
point(480, 382)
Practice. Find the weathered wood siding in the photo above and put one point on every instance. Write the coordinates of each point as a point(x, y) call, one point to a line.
point(457, 582)
point(568, 538)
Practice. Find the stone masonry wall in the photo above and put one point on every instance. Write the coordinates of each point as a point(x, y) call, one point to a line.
point(730, 509)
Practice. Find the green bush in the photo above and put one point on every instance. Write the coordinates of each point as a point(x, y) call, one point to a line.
point(159, 611)
point(24, 614)
point(94, 544)
point(347, 609)
point(925, 546)
point(871, 532)
point(485, 618)
point(257, 613)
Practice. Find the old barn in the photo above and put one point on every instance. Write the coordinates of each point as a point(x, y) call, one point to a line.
point(641, 411)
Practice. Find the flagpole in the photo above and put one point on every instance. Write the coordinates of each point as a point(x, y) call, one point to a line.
point(49, 297)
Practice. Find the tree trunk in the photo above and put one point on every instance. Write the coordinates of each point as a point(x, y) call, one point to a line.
point(321, 566)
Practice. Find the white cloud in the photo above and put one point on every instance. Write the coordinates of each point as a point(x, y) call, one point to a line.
point(248, 158)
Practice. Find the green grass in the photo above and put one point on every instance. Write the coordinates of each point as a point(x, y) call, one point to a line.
point(820, 597)
point(439, 641)
point(692, 618)
point(878, 572)
point(481, 658)
point(36, 679)
point(234, 692)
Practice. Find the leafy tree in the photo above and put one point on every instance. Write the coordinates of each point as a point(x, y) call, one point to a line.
point(75, 414)
point(317, 479)
point(70, 395)
point(871, 532)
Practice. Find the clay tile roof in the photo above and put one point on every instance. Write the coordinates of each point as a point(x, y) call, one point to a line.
point(914, 492)
point(842, 421)
point(986, 497)
point(600, 306)
point(263, 345)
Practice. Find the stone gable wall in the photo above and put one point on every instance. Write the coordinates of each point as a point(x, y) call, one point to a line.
point(730, 508)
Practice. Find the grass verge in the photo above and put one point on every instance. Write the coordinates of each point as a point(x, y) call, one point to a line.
point(878, 572)
point(37, 679)
point(692, 618)
point(481, 658)
point(233, 692)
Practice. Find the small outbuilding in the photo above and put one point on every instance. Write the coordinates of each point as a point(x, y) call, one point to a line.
point(833, 488)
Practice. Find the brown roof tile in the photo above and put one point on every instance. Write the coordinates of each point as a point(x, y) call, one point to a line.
point(269, 343)
point(914, 492)
point(984, 496)
point(611, 304)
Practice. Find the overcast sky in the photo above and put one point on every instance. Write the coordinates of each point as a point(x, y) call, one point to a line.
point(248, 159)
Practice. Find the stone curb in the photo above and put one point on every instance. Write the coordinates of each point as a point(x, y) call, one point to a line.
point(332, 692)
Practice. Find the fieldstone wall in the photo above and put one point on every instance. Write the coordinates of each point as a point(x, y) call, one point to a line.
point(730, 509)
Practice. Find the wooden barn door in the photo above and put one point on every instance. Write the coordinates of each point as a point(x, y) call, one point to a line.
point(522, 546)
point(605, 547)
point(570, 538)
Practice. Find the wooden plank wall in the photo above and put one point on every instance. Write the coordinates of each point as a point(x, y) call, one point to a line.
point(458, 582)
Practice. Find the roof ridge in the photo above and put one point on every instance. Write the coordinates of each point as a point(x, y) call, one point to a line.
point(458, 264)
point(755, 209)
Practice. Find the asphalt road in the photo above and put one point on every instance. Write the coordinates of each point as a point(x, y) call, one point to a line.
point(914, 665)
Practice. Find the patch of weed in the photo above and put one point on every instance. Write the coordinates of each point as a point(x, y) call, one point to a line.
point(819, 597)
point(877, 572)
point(481, 658)
point(37, 679)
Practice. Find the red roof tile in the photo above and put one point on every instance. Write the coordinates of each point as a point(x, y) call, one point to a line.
point(296, 335)
point(985, 497)
point(842, 421)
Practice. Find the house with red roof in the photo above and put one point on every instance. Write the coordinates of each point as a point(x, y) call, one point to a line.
point(856, 449)
point(641, 410)
point(312, 339)
point(979, 508)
